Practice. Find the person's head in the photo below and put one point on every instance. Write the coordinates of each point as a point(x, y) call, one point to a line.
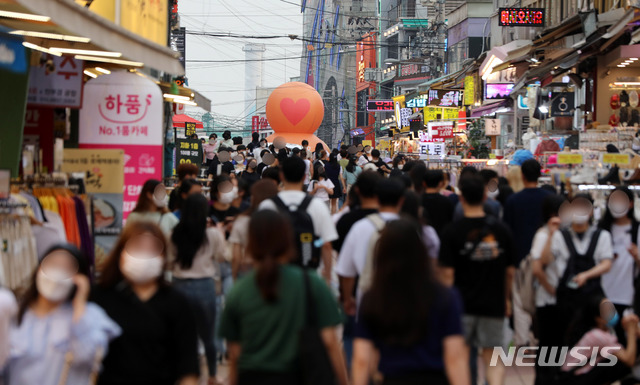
point(598, 312)
point(264, 152)
point(242, 150)
point(582, 209)
point(272, 173)
point(320, 173)
point(261, 191)
point(304, 154)
point(375, 153)
point(322, 155)
point(390, 193)
point(434, 179)
point(295, 151)
point(212, 138)
point(365, 186)
point(397, 305)
point(531, 171)
point(367, 149)
point(194, 136)
point(190, 234)
point(187, 171)
point(333, 158)
point(551, 206)
point(319, 147)
point(226, 135)
point(263, 143)
point(255, 136)
point(468, 170)
point(203, 140)
point(353, 163)
point(344, 153)
point(282, 155)
point(138, 257)
point(411, 207)
point(270, 244)
point(293, 170)
point(252, 164)
point(619, 207)
point(151, 198)
point(417, 173)
point(490, 178)
point(222, 190)
point(53, 279)
point(473, 190)
point(187, 187)
point(398, 162)
point(305, 144)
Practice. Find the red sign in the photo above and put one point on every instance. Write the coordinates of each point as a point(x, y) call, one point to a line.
point(255, 124)
point(366, 56)
point(525, 17)
point(441, 130)
point(380, 105)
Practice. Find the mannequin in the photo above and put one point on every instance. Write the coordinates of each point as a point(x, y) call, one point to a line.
point(526, 138)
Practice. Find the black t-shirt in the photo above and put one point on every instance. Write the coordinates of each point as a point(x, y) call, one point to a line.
point(222, 215)
point(250, 178)
point(260, 168)
point(479, 273)
point(159, 343)
point(438, 210)
point(382, 166)
point(173, 199)
point(227, 167)
point(346, 222)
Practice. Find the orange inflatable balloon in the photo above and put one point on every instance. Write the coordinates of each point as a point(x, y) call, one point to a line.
point(295, 107)
point(296, 139)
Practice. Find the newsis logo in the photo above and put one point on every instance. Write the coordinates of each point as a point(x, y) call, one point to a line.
point(555, 356)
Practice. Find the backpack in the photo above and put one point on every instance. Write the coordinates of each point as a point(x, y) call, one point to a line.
point(366, 278)
point(306, 240)
point(576, 264)
point(526, 284)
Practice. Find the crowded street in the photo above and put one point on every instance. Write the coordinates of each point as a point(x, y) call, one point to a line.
point(320, 192)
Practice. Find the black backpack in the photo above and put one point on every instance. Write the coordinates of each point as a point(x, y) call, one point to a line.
point(576, 264)
point(305, 239)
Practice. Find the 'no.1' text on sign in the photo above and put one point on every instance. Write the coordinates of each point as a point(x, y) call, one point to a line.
point(521, 17)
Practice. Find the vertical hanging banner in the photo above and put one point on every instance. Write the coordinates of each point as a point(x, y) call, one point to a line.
point(56, 82)
point(124, 111)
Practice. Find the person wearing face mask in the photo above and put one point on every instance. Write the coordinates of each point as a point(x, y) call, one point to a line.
point(152, 207)
point(159, 342)
point(365, 157)
point(58, 337)
point(257, 151)
point(255, 142)
point(223, 193)
point(398, 164)
point(227, 142)
point(594, 329)
point(210, 148)
point(618, 283)
point(546, 272)
point(582, 254)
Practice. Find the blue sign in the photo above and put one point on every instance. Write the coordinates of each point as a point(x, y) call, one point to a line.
point(12, 55)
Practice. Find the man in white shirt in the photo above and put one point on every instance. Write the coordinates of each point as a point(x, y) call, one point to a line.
point(258, 150)
point(365, 157)
point(356, 248)
point(292, 174)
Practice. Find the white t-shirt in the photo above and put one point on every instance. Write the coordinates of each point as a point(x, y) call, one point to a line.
point(363, 160)
point(431, 241)
point(240, 232)
point(543, 298)
point(617, 283)
point(256, 154)
point(353, 255)
point(307, 171)
point(561, 252)
point(8, 309)
point(318, 211)
point(166, 222)
point(203, 265)
point(321, 194)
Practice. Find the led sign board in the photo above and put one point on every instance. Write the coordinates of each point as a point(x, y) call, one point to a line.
point(521, 17)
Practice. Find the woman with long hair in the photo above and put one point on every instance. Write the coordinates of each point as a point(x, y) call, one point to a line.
point(265, 310)
point(58, 337)
point(351, 172)
point(196, 247)
point(159, 342)
point(414, 322)
point(152, 207)
point(334, 173)
point(241, 262)
point(187, 187)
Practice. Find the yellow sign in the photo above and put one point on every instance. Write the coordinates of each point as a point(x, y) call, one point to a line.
point(145, 18)
point(189, 129)
point(384, 144)
point(450, 113)
point(366, 143)
point(492, 156)
point(431, 113)
point(104, 169)
point(569, 158)
point(398, 103)
point(615, 158)
point(469, 90)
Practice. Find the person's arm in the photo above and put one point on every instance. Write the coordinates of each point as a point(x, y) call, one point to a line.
point(456, 360)
point(363, 355)
point(447, 275)
point(8, 309)
point(509, 274)
point(233, 349)
point(327, 261)
point(347, 285)
point(329, 190)
point(236, 261)
point(595, 272)
point(446, 259)
point(329, 337)
point(546, 257)
point(541, 276)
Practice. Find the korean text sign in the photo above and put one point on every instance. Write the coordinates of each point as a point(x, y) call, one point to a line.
point(440, 130)
point(124, 111)
point(189, 151)
point(56, 82)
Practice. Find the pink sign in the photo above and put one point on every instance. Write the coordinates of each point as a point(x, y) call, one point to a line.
point(124, 111)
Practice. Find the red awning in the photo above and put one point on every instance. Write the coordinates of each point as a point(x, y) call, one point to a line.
point(180, 119)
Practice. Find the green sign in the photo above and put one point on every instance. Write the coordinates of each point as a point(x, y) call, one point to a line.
point(415, 23)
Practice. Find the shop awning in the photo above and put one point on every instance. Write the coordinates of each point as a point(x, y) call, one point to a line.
point(87, 31)
point(489, 109)
point(180, 119)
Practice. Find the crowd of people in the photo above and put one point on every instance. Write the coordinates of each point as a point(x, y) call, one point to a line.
point(336, 267)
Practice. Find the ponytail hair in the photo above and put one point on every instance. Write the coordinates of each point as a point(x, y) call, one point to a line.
point(270, 244)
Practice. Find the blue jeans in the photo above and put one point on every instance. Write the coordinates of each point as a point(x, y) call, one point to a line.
point(201, 294)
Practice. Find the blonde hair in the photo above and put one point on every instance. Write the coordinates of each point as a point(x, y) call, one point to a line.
point(514, 176)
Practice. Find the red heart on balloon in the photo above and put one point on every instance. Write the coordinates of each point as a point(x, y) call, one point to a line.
point(294, 111)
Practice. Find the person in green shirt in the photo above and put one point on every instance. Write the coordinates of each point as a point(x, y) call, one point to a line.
point(265, 310)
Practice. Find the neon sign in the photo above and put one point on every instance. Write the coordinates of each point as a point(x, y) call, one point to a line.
point(521, 17)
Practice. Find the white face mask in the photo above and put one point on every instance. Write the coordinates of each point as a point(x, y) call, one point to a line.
point(400, 166)
point(263, 145)
point(160, 203)
point(493, 194)
point(581, 219)
point(618, 209)
point(141, 269)
point(228, 197)
point(55, 285)
point(212, 141)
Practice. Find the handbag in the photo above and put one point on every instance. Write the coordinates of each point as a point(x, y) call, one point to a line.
point(315, 364)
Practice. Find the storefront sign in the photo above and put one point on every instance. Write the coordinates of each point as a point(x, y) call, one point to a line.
point(124, 111)
point(12, 55)
point(523, 102)
point(431, 113)
point(104, 180)
point(498, 91)
point(405, 113)
point(255, 124)
point(469, 90)
point(440, 98)
point(380, 105)
point(439, 131)
point(433, 148)
point(521, 17)
point(189, 129)
point(450, 113)
point(189, 151)
point(56, 82)
point(148, 19)
point(366, 57)
point(562, 104)
point(569, 158)
point(505, 76)
point(492, 127)
point(615, 158)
